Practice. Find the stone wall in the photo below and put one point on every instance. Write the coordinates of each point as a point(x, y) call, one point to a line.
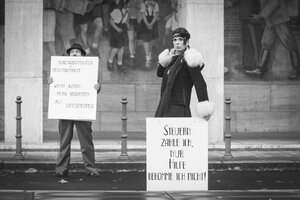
point(264, 106)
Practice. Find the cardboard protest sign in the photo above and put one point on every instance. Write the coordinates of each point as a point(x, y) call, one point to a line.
point(72, 94)
point(177, 154)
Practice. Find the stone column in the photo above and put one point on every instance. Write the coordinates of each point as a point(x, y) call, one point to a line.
point(204, 19)
point(23, 68)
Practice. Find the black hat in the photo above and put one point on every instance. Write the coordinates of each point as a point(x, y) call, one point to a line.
point(76, 46)
point(181, 32)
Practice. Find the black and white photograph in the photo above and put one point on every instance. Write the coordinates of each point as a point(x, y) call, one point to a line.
point(149, 99)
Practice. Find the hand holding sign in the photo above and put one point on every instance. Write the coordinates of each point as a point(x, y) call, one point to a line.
point(97, 87)
point(177, 154)
point(50, 80)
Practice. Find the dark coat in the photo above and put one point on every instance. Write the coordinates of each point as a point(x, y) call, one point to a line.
point(187, 77)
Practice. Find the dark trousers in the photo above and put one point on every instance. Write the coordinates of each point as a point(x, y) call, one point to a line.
point(252, 34)
point(283, 33)
point(84, 131)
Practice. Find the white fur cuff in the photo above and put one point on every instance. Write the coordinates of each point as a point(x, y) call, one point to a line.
point(165, 58)
point(205, 108)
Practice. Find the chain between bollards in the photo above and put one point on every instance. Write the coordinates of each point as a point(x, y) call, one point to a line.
point(227, 136)
point(124, 136)
point(19, 154)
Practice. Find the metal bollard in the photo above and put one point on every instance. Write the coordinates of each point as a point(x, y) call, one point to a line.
point(124, 155)
point(19, 154)
point(227, 135)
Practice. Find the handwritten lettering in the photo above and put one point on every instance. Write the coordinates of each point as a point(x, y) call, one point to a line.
point(75, 62)
point(79, 105)
point(160, 176)
point(73, 86)
point(76, 70)
point(170, 143)
point(173, 164)
point(176, 131)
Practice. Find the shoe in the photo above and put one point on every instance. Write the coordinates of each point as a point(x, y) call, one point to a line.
point(110, 66)
point(225, 70)
point(131, 61)
point(293, 75)
point(94, 174)
point(62, 174)
point(122, 68)
point(148, 64)
point(256, 72)
point(105, 31)
point(95, 52)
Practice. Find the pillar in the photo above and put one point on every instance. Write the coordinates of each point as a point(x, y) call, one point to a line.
point(204, 19)
point(23, 68)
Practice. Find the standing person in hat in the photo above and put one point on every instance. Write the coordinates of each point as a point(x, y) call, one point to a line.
point(180, 69)
point(84, 131)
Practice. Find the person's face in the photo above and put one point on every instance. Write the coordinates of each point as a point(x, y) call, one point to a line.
point(75, 52)
point(179, 43)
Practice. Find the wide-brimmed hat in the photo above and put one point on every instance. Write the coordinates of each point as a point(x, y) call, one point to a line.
point(76, 46)
point(181, 32)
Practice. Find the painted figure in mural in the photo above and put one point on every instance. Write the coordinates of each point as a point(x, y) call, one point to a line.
point(64, 14)
point(64, 26)
point(171, 24)
point(180, 69)
point(49, 23)
point(167, 9)
point(251, 32)
point(84, 131)
point(93, 13)
point(118, 28)
point(275, 16)
point(148, 30)
point(83, 10)
point(134, 15)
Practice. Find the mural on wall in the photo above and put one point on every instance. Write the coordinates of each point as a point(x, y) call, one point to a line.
point(268, 38)
point(127, 35)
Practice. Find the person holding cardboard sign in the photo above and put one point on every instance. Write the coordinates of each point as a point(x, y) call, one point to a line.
point(84, 131)
point(180, 69)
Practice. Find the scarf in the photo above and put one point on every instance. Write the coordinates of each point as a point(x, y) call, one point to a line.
point(164, 103)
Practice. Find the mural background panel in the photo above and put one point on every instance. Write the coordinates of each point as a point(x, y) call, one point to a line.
point(244, 37)
point(138, 51)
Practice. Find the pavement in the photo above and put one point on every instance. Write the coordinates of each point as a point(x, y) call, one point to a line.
point(142, 195)
point(265, 153)
point(247, 152)
point(111, 160)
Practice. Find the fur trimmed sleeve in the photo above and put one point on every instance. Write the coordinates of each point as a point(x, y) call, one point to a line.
point(165, 57)
point(205, 108)
point(193, 58)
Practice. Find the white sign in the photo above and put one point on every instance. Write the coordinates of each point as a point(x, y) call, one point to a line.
point(177, 154)
point(72, 94)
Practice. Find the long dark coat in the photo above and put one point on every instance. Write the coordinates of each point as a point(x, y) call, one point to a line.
point(188, 75)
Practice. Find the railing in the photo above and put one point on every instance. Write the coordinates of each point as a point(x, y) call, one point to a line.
point(124, 136)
